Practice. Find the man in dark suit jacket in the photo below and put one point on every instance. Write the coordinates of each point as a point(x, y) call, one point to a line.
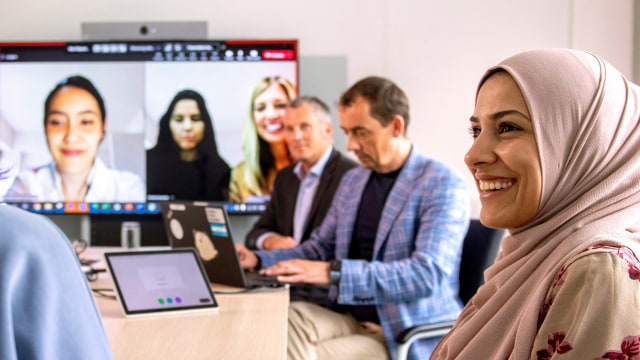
point(302, 192)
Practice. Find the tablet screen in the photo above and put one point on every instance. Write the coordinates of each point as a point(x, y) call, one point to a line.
point(155, 282)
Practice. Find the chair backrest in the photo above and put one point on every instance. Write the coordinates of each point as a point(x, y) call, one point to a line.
point(479, 251)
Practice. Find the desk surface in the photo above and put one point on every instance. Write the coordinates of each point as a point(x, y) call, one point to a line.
point(251, 325)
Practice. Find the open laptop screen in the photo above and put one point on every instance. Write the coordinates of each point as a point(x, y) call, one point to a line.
point(152, 282)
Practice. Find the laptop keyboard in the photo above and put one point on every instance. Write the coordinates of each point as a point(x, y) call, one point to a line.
point(255, 279)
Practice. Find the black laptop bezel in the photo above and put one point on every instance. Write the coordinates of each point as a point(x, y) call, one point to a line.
point(236, 278)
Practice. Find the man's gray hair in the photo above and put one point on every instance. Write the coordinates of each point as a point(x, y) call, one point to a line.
point(319, 107)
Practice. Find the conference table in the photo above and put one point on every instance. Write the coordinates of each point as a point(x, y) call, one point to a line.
point(248, 325)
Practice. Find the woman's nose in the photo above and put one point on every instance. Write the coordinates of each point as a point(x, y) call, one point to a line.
point(271, 112)
point(70, 132)
point(481, 151)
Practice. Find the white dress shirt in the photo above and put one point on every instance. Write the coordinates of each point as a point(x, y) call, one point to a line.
point(306, 192)
point(104, 185)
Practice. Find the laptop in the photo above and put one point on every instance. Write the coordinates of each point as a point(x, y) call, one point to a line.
point(206, 228)
point(160, 282)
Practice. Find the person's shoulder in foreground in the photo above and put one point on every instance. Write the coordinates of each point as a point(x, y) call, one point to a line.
point(47, 310)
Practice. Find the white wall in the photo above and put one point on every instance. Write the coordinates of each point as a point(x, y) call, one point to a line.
point(435, 50)
point(603, 29)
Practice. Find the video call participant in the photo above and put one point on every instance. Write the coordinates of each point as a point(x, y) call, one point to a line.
point(8, 168)
point(389, 245)
point(556, 161)
point(302, 192)
point(263, 145)
point(46, 307)
point(185, 163)
point(74, 125)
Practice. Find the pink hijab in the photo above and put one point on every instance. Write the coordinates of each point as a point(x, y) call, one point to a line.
point(586, 119)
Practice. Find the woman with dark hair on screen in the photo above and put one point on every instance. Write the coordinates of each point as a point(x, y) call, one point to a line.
point(185, 163)
point(263, 144)
point(75, 125)
point(47, 310)
point(556, 159)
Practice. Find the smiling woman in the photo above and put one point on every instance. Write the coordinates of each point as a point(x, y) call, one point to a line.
point(264, 147)
point(504, 156)
point(555, 158)
point(75, 125)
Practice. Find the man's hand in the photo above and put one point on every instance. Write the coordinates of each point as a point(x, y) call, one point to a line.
point(276, 241)
point(248, 260)
point(300, 271)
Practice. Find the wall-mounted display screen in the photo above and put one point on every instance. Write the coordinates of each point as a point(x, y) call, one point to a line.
point(108, 127)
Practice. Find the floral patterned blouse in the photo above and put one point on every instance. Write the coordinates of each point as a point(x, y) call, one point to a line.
point(592, 310)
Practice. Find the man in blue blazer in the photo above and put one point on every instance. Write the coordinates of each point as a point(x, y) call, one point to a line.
point(302, 192)
point(389, 246)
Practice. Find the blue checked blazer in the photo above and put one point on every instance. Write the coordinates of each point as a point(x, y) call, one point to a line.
point(413, 278)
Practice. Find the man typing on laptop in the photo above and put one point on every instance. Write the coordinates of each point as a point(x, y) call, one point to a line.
point(389, 246)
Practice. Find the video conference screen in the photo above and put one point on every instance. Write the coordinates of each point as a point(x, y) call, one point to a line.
point(108, 127)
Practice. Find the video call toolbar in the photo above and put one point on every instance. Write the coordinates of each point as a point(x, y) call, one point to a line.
point(151, 51)
point(148, 208)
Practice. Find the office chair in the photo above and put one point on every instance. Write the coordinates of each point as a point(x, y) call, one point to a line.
point(479, 251)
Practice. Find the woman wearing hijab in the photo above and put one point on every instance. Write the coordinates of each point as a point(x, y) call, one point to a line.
point(185, 163)
point(47, 310)
point(556, 160)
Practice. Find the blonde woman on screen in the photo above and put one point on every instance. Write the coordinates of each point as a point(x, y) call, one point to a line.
point(264, 147)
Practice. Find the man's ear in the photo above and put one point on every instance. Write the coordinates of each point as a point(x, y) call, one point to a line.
point(398, 125)
point(330, 129)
